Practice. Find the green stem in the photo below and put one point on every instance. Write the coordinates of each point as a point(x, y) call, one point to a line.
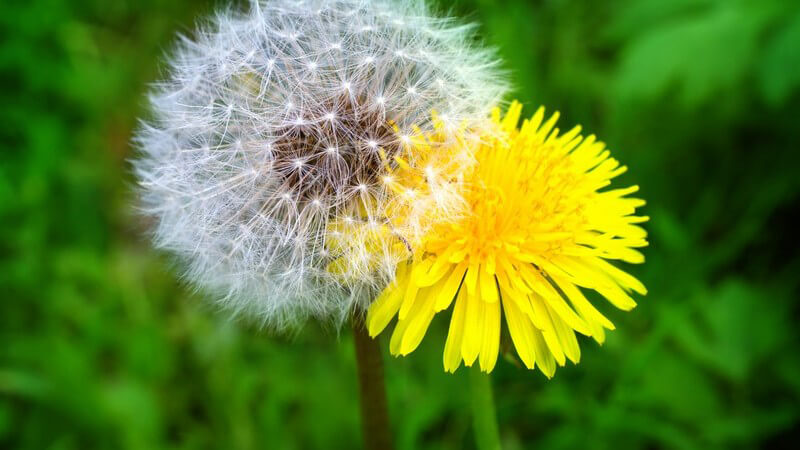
point(484, 418)
point(372, 391)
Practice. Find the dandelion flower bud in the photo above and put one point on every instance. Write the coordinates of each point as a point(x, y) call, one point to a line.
point(265, 162)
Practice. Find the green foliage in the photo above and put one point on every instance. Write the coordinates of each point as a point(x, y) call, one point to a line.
point(102, 347)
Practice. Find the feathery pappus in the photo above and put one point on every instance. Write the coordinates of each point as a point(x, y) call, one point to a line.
point(267, 162)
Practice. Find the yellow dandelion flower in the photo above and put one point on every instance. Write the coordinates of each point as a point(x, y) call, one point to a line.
point(539, 229)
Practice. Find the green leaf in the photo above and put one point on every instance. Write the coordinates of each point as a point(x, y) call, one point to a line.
point(779, 69)
point(700, 56)
point(732, 330)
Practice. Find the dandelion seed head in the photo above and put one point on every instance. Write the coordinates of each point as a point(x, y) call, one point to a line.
point(254, 165)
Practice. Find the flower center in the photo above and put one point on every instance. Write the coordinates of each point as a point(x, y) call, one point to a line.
point(332, 151)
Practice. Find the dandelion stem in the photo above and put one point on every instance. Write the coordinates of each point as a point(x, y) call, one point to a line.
point(372, 391)
point(484, 418)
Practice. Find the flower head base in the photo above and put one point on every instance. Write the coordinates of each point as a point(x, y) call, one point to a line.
point(274, 128)
point(539, 227)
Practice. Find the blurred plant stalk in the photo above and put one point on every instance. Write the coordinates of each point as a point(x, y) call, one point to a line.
point(372, 389)
point(484, 416)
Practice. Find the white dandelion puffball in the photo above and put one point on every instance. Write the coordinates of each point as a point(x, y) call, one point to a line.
point(265, 161)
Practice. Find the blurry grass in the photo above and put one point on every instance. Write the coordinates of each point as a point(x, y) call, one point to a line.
point(102, 347)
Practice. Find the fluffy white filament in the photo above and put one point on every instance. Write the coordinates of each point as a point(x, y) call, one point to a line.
point(267, 134)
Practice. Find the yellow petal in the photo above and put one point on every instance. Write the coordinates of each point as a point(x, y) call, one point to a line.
point(556, 302)
point(448, 289)
point(455, 335)
point(542, 312)
point(521, 330)
point(471, 279)
point(473, 329)
point(617, 297)
point(543, 356)
point(383, 309)
point(429, 272)
point(594, 319)
point(418, 323)
point(488, 287)
point(566, 338)
point(491, 336)
point(623, 278)
point(409, 299)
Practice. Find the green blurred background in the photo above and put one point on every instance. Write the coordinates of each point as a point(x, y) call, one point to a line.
point(101, 346)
